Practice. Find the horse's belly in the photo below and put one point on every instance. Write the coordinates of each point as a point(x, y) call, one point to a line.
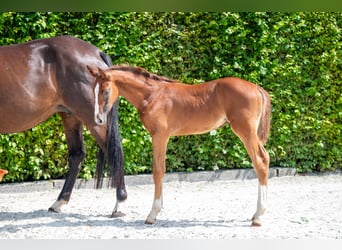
point(22, 119)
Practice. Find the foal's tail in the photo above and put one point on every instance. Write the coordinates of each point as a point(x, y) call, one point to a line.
point(265, 121)
point(115, 158)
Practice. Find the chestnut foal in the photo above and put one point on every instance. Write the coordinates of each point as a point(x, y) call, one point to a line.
point(168, 108)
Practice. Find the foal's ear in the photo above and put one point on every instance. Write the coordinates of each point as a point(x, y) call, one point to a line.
point(92, 71)
point(102, 73)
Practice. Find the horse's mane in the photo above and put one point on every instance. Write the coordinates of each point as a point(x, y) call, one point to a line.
point(142, 72)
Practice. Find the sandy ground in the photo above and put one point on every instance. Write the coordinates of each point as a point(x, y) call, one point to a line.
point(299, 207)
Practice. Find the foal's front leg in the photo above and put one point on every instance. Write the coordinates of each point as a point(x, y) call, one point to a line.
point(159, 144)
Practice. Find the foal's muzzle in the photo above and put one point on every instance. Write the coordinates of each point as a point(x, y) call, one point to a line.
point(100, 119)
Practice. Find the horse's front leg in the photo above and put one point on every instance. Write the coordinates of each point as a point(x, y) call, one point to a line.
point(159, 144)
point(74, 138)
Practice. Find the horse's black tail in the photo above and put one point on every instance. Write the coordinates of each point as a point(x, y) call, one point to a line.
point(115, 158)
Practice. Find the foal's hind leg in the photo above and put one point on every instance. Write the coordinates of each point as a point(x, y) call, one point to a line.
point(260, 160)
point(261, 166)
point(74, 138)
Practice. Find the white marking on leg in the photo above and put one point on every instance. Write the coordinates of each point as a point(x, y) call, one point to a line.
point(261, 204)
point(56, 206)
point(262, 199)
point(96, 107)
point(116, 213)
point(156, 207)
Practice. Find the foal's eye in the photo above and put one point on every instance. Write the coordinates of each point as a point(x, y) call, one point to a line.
point(105, 94)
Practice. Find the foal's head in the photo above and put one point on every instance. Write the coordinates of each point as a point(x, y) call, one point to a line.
point(106, 93)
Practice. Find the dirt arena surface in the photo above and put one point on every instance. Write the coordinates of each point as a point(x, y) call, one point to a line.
point(299, 207)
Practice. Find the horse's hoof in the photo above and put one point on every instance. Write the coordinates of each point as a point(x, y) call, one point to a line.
point(51, 209)
point(56, 207)
point(117, 214)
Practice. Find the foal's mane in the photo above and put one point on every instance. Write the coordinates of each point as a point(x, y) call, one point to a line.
point(141, 72)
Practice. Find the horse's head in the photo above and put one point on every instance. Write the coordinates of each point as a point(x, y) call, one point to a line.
point(106, 93)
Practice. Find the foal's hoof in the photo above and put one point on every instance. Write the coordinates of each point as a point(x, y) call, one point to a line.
point(117, 214)
point(148, 222)
point(256, 223)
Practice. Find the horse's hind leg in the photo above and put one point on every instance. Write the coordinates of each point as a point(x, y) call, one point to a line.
point(74, 138)
point(260, 160)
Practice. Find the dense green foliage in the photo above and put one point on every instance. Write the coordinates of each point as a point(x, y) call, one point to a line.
point(296, 57)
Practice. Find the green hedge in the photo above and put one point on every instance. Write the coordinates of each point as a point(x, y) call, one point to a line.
point(295, 56)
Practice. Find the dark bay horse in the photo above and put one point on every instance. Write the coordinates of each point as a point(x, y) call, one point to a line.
point(42, 77)
point(168, 108)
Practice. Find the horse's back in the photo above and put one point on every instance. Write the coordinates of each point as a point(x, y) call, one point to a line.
point(64, 41)
point(48, 50)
